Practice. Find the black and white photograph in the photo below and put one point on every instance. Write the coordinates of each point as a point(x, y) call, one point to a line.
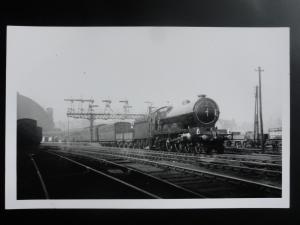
point(147, 117)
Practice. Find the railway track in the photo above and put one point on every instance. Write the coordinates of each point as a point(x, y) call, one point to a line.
point(256, 157)
point(206, 183)
point(234, 150)
point(264, 159)
point(127, 183)
point(40, 177)
point(259, 159)
point(253, 162)
point(238, 165)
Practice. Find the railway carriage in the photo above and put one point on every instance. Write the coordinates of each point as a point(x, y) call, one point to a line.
point(119, 134)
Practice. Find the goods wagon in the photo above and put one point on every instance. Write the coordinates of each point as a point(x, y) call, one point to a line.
point(116, 134)
point(142, 133)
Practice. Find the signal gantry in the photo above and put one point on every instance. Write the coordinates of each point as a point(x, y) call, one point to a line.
point(91, 115)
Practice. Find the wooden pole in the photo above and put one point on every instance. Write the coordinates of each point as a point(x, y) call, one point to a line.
point(256, 128)
point(260, 111)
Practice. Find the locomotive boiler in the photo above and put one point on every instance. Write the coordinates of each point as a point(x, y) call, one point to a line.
point(189, 127)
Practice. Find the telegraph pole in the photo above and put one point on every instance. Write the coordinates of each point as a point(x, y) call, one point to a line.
point(68, 131)
point(260, 109)
point(256, 125)
point(92, 127)
point(91, 119)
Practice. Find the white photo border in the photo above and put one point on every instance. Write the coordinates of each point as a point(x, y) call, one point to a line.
point(11, 201)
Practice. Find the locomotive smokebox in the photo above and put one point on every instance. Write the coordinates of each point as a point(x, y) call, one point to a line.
point(206, 111)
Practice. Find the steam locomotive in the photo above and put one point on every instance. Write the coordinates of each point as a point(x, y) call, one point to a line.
point(189, 127)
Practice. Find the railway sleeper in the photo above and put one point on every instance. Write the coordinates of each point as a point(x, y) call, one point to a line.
point(217, 191)
point(210, 176)
point(273, 174)
point(180, 179)
point(236, 169)
point(197, 185)
point(221, 178)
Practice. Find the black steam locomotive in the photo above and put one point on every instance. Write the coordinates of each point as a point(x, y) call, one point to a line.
point(189, 127)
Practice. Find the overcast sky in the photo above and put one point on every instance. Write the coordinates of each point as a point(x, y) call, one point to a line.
point(155, 64)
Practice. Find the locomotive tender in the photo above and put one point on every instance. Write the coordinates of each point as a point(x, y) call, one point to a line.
point(189, 127)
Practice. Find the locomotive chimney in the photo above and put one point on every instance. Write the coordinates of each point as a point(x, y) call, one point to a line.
point(201, 96)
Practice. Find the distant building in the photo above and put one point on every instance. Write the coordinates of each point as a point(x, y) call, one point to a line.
point(50, 113)
point(27, 108)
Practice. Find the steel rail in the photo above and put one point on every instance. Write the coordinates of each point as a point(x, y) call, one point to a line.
point(197, 171)
point(198, 160)
point(221, 160)
point(144, 174)
point(202, 162)
point(108, 176)
point(39, 175)
point(187, 155)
